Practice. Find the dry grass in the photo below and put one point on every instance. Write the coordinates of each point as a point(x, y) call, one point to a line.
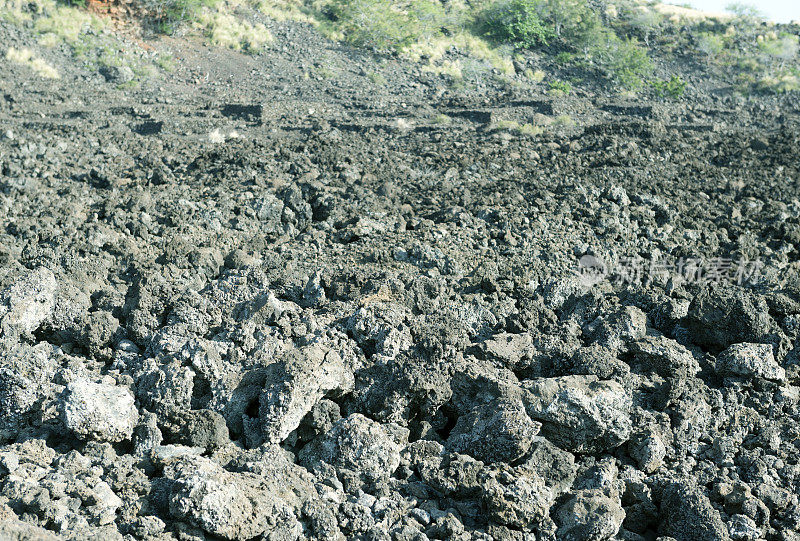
point(26, 57)
point(223, 29)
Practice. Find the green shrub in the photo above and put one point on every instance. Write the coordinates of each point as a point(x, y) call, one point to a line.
point(710, 44)
point(517, 22)
point(573, 20)
point(384, 24)
point(744, 11)
point(623, 60)
point(172, 13)
point(559, 87)
point(673, 88)
point(529, 23)
point(644, 22)
point(787, 82)
point(780, 47)
point(564, 58)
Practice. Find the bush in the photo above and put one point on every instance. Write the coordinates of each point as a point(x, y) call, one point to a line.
point(780, 47)
point(644, 22)
point(674, 88)
point(573, 20)
point(384, 24)
point(559, 88)
point(788, 82)
point(517, 22)
point(710, 44)
point(170, 14)
point(623, 60)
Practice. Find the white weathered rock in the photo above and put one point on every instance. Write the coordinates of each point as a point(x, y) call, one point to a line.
point(580, 413)
point(28, 302)
point(96, 411)
point(296, 384)
point(355, 443)
point(238, 505)
point(750, 360)
point(589, 515)
point(26, 374)
point(495, 432)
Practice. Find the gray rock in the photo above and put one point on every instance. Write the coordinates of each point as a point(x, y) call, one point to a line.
point(616, 330)
point(648, 450)
point(580, 413)
point(96, 411)
point(380, 329)
point(355, 443)
point(496, 432)
point(233, 505)
point(724, 315)
point(743, 528)
point(750, 360)
point(687, 515)
point(518, 498)
point(197, 428)
point(166, 387)
point(117, 74)
point(663, 356)
point(13, 529)
point(509, 350)
point(589, 515)
point(555, 466)
point(26, 373)
point(27, 303)
point(296, 384)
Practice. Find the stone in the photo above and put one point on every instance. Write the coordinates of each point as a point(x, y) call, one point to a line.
point(230, 505)
point(648, 450)
point(618, 329)
point(663, 356)
point(555, 466)
point(518, 498)
point(296, 384)
point(722, 315)
point(496, 432)
point(580, 413)
point(589, 515)
point(508, 350)
point(96, 411)
point(28, 302)
point(750, 360)
point(687, 515)
point(117, 74)
point(355, 443)
point(26, 373)
point(743, 528)
point(197, 428)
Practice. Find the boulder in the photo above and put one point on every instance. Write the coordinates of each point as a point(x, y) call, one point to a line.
point(355, 443)
point(296, 384)
point(97, 411)
point(750, 360)
point(580, 414)
point(496, 432)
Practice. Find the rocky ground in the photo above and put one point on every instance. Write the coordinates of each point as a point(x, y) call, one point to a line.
point(250, 300)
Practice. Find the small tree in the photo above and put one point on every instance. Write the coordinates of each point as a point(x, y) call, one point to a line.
point(517, 22)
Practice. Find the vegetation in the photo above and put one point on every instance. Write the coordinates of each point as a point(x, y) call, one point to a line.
point(26, 57)
point(464, 41)
point(518, 22)
point(623, 60)
point(673, 88)
point(559, 87)
point(173, 13)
